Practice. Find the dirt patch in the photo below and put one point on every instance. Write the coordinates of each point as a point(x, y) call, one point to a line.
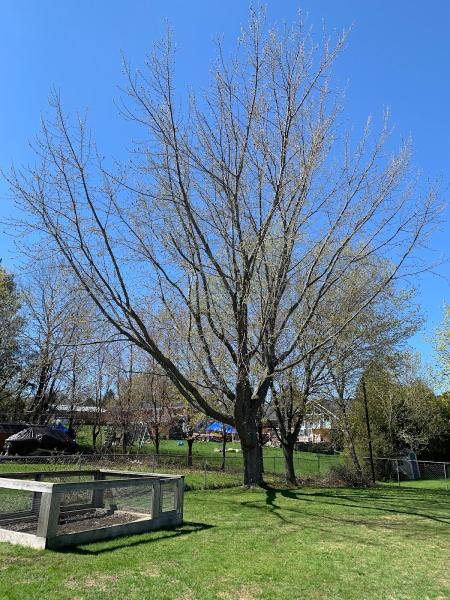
point(101, 582)
point(94, 521)
point(245, 592)
point(151, 571)
point(8, 561)
point(80, 522)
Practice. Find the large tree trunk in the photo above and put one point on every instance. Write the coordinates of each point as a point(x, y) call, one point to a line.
point(156, 440)
point(125, 440)
point(246, 417)
point(95, 434)
point(190, 443)
point(251, 450)
point(253, 475)
point(288, 453)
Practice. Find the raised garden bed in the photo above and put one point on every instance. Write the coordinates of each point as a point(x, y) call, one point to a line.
point(62, 508)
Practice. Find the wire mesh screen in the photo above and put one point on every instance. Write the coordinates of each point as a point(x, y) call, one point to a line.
point(107, 506)
point(433, 470)
point(74, 497)
point(168, 496)
point(410, 472)
point(135, 498)
point(19, 510)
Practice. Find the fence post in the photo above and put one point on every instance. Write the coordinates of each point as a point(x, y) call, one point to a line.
point(318, 465)
point(398, 472)
point(445, 476)
point(156, 504)
point(274, 467)
point(204, 481)
point(48, 514)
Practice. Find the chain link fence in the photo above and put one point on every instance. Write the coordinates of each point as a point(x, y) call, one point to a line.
point(416, 473)
point(201, 472)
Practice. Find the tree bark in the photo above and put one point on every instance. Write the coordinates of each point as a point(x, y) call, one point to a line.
point(157, 441)
point(95, 434)
point(190, 443)
point(246, 418)
point(253, 475)
point(288, 454)
point(369, 434)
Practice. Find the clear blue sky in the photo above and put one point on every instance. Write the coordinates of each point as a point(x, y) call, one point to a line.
point(398, 56)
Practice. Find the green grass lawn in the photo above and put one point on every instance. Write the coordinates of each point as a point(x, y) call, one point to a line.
point(361, 544)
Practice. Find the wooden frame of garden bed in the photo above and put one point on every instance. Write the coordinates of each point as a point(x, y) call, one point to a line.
point(46, 505)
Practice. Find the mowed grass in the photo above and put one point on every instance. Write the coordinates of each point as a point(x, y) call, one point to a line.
point(379, 543)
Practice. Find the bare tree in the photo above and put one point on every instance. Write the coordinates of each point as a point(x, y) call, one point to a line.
point(101, 386)
point(12, 382)
point(159, 403)
point(233, 212)
point(56, 328)
point(289, 401)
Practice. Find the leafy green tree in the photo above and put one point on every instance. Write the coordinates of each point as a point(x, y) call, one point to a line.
point(404, 412)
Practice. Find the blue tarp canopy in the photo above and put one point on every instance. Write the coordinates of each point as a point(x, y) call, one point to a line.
point(216, 427)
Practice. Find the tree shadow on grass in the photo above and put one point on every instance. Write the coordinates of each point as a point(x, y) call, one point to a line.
point(112, 545)
point(308, 511)
point(410, 504)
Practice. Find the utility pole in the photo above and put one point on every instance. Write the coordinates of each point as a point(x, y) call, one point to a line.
point(369, 434)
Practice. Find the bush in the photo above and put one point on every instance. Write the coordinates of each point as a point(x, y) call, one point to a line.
point(316, 447)
point(348, 476)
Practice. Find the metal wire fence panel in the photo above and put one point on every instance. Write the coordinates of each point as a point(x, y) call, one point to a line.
point(113, 505)
point(416, 473)
point(135, 499)
point(168, 497)
point(201, 472)
point(19, 510)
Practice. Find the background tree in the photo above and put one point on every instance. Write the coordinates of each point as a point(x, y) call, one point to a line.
point(236, 209)
point(159, 401)
point(375, 335)
point(11, 329)
point(55, 323)
point(191, 420)
point(102, 378)
point(442, 349)
point(289, 400)
point(404, 412)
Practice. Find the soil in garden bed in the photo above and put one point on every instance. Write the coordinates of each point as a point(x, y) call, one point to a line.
point(80, 522)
